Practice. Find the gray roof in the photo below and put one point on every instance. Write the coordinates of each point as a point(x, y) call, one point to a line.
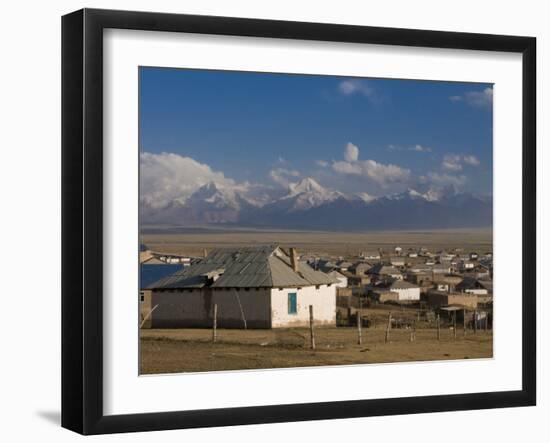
point(246, 267)
point(401, 284)
point(382, 269)
point(335, 274)
point(473, 283)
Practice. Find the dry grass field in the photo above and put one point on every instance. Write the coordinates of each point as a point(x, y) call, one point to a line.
point(189, 242)
point(192, 350)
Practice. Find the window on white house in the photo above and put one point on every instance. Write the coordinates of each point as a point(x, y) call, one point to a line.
point(292, 303)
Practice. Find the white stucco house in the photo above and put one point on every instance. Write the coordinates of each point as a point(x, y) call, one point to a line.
point(342, 279)
point(466, 265)
point(253, 287)
point(382, 271)
point(474, 286)
point(407, 291)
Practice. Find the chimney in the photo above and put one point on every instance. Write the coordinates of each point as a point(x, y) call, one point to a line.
point(294, 259)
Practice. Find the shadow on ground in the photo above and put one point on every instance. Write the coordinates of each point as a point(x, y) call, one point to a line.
point(53, 417)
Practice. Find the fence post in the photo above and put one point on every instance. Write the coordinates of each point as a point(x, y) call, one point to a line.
point(215, 323)
point(486, 322)
point(311, 330)
point(475, 321)
point(359, 325)
point(388, 327)
point(464, 322)
point(454, 325)
point(438, 328)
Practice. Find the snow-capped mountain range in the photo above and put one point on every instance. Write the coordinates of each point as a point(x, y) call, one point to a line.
point(308, 205)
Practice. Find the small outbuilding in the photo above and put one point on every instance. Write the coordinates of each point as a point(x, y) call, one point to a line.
point(406, 291)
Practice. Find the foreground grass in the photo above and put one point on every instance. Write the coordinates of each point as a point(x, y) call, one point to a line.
point(192, 350)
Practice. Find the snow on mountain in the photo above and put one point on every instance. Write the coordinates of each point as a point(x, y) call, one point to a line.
point(307, 204)
point(430, 194)
point(363, 196)
point(307, 194)
point(215, 196)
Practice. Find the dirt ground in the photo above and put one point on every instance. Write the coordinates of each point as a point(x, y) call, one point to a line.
point(192, 350)
point(321, 243)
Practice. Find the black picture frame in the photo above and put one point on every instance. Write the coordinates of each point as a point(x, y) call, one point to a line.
point(82, 218)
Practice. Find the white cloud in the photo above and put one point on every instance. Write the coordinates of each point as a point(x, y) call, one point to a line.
point(479, 99)
point(351, 153)
point(445, 179)
point(471, 160)
point(283, 177)
point(166, 177)
point(356, 86)
point(378, 172)
point(415, 148)
point(382, 174)
point(347, 168)
point(452, 162)
point(321, 163)
point(420, 148)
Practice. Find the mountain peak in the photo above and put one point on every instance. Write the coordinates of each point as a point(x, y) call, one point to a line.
point(212, 186)
point(365, 197)
point(306, 185)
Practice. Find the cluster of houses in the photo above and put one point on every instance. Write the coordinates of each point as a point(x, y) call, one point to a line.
point(267, 286)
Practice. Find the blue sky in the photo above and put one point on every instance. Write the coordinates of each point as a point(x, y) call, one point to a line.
point(376, 136)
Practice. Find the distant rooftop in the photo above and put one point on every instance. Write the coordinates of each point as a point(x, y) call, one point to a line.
point(401, 284)
point(150, 273)
point(382, 269)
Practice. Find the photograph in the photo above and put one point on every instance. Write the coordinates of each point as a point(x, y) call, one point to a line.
point(298, 220)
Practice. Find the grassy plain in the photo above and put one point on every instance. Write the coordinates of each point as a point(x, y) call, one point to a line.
point(193, 242)
point(192, 350)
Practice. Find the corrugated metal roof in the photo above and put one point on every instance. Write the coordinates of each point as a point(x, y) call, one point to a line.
point(150, 273)
point(382, 269)
point(246, 267)
point(401, 284)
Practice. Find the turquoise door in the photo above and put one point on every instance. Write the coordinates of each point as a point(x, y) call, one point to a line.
point(292, 304)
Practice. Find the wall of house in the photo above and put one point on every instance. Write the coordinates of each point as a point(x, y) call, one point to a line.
point(438, 299)
point(194, 309)
point(478, 291)
point(145, 307)
point(383, 297)
point(408, 293)
point(342, 282)
point(323, 301)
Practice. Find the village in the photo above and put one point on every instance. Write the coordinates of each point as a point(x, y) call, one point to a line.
point(267, 305)
point(272, 306)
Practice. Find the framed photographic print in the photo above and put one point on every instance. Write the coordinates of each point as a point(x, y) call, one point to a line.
point(269, 221)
